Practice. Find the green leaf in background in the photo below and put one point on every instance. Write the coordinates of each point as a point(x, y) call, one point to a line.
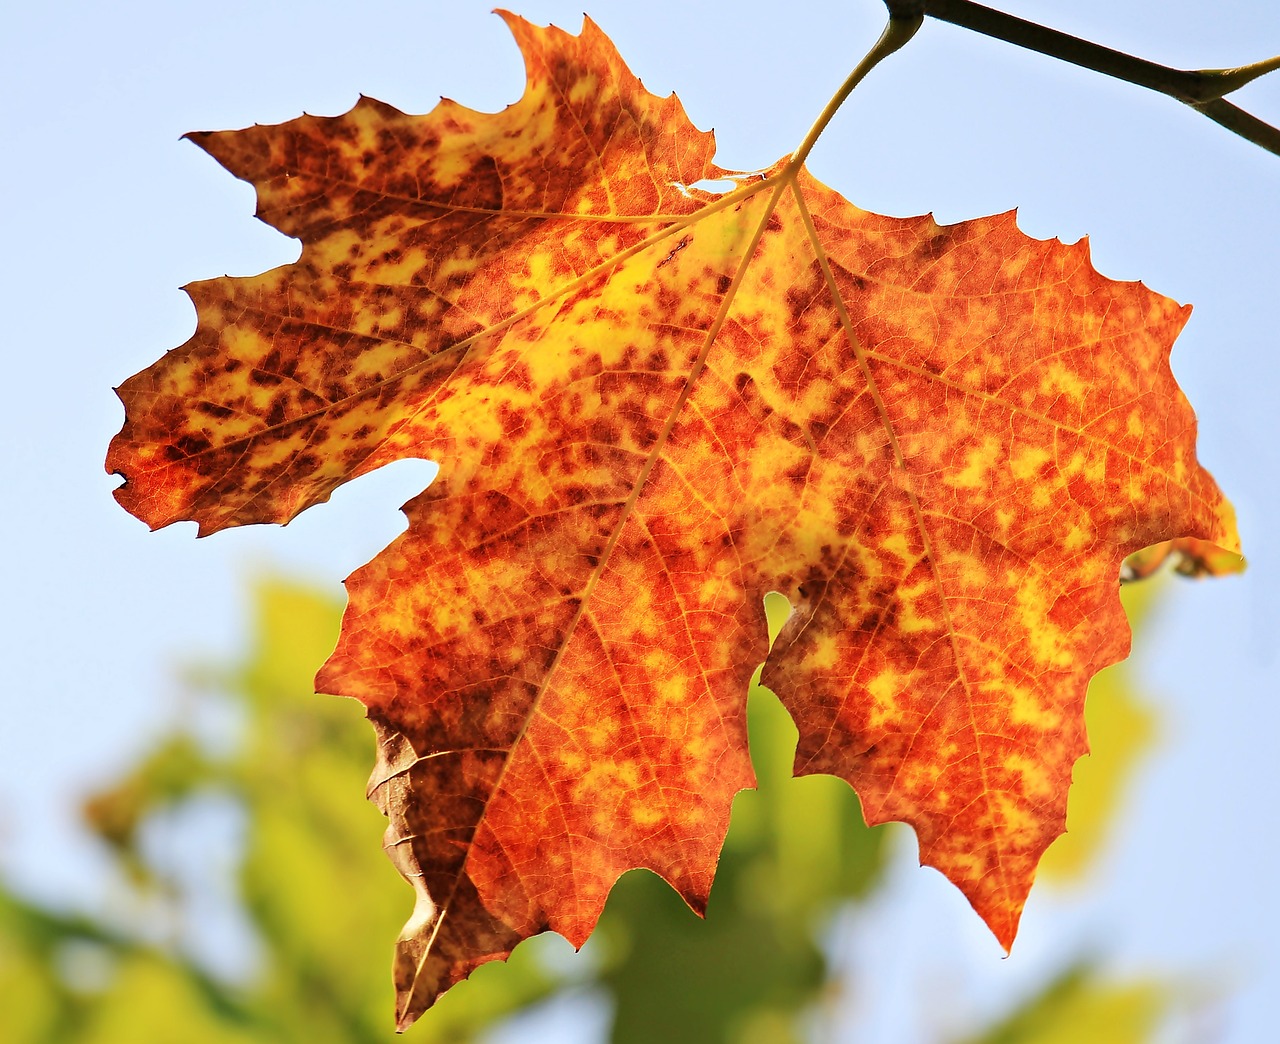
point(1077, 1007)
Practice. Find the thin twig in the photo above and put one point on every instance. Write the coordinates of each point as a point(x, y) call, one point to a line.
point(1202, 89)
point(901, 28)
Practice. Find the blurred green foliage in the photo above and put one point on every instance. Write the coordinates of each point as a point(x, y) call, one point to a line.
point(325, 903)
point(1077, 1006)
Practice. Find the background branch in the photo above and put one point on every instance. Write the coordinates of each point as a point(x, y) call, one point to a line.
point(1202, 89)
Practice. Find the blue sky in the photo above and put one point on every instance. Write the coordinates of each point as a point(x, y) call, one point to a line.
point(106, 213)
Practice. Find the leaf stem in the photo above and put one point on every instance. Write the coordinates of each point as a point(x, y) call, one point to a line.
point(904, 20)
point(1202, 89)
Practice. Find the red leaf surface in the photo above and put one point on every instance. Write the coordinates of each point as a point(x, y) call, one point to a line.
point(651, 406)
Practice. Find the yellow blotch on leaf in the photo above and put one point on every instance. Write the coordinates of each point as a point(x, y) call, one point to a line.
point(978, 465)
point(1026, 463)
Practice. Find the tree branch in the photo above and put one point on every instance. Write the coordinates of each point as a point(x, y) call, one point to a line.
point(1202, 89)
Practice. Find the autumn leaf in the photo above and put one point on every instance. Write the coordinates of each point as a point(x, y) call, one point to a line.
point(652, 405)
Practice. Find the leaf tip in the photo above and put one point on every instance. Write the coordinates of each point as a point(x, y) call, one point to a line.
point(405, 1016)
point(197, 138)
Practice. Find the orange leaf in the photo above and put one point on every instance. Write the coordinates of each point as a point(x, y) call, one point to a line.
point(651, 406)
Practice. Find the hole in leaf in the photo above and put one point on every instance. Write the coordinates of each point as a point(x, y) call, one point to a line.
point(716, 186)
point(777, 611)
point(771, 736)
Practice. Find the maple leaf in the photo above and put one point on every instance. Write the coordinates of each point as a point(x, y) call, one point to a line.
point(651, 406)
